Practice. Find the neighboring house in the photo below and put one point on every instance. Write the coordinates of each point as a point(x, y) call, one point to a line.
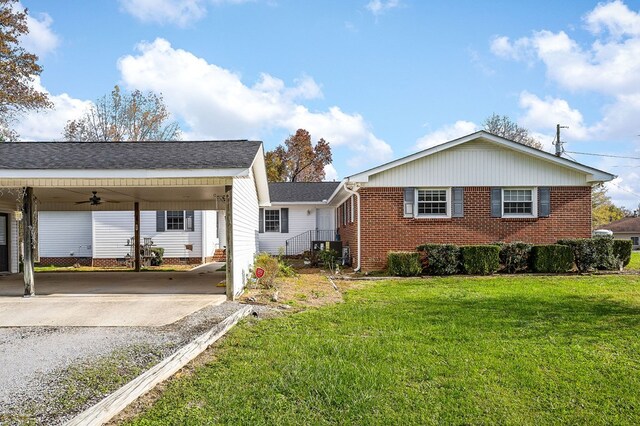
point(477, 189)
point(625, 229)
point(299, 213)
point(102, 238)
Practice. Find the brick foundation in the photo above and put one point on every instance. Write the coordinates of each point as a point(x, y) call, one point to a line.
point(64, 261)
point(385, 229)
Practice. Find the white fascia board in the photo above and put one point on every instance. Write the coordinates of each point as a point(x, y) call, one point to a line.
point(120, 174)
point(594, 175)
point(299, 203)
point(260, 177)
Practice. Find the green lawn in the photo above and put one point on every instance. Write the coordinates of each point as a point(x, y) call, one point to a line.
point(635, 261)
point(497, 350)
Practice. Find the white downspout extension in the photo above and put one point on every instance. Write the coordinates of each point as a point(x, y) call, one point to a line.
point(357, 194)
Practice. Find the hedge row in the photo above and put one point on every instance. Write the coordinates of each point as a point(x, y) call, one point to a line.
point(586, 254)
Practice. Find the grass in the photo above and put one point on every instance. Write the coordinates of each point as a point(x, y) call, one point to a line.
point(457, 350)
point(635, 261)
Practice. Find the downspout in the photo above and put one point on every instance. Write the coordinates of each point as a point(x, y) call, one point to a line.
point(357, 194)
point(203, 236)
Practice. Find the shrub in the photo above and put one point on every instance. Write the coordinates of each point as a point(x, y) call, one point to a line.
point(329, 259)
point(552, 258)
point(271, 268)
point(404, 263)
point(622, 251)
point(584, 253)
point(515, 256)
point(440, 259)
point(157, 256)
point(480, 260)
point(605, 256)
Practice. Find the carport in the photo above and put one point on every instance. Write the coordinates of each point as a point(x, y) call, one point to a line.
point(134, 176)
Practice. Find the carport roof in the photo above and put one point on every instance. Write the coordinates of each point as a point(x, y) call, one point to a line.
point(128, 155)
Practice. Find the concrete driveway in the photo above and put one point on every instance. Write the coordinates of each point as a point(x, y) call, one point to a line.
point(110, 299)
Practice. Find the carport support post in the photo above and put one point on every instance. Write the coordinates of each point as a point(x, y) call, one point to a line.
point(136, 235)
point(27, 228)
point(229, 236)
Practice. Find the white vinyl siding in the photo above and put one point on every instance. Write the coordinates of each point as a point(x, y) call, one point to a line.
point(112, 231)
point(244, 217)
point(478, 164)
point(301, 219)
point(64, 234)
point(211, 242)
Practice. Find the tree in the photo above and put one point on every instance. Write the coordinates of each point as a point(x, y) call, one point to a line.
point(603, 210)
point(508, 129)
point(123, 116)
point(18, 68)
point(298, 160)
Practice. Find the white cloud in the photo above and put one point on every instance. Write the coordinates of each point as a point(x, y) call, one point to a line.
point(49, 124)
point(40, 39)
point(378, 7)
point(614, 18)
point(330, 173)
point(178, 12)
point(446, 133)
point(544, 114)
point(216, 103)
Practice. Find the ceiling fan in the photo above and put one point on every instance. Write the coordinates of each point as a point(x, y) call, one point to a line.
point(94, 200)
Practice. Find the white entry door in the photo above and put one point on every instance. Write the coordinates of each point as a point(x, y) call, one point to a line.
point(325, 219)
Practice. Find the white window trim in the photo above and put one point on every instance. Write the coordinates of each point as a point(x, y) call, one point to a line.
point(534, 203)
point(432, 216)
point(166, 221)
point(264, 220)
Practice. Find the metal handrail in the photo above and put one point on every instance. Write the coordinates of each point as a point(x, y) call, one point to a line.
point(302, 242)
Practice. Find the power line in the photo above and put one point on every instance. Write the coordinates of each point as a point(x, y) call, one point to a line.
point(625, 190)
point(604, 155)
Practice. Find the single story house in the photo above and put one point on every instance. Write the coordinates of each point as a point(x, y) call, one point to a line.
point(183, 176)
point(103, 238)
point(300, 212)
point(627, 228)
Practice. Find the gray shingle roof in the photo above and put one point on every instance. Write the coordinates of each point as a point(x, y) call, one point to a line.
point(301, 192)
point(128, 155)
point(627, 224)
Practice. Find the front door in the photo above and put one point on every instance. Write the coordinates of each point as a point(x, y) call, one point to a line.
point(4, 242)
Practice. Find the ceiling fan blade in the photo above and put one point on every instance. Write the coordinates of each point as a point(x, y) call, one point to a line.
point(83, 202)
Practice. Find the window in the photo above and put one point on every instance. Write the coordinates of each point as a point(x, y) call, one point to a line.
point(175, 221)
point(635, 241)
point(517, 202)
point(272, 220)
point(432, 202)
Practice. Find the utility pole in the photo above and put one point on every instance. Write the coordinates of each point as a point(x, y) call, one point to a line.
point(559, 149)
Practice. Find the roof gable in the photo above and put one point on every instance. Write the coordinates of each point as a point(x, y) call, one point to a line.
point(589, 174)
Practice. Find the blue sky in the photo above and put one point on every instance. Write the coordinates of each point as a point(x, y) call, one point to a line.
point(378, 79)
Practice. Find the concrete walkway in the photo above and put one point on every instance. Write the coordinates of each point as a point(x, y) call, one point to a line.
point(110, 299)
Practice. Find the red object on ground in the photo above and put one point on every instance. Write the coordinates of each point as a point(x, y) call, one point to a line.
point(259, 272)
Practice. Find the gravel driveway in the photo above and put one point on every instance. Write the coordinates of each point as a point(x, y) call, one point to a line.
point(35, 361)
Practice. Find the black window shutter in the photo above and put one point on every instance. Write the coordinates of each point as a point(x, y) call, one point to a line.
point(544, 202)
point(496, 202)
point(189, 217)
point(261, 221)
point(458, 202)
point(160, 222)
point(284, 221)
point(409, 198)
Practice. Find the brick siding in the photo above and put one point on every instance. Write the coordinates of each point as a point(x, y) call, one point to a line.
point(385, 229)
point(108, 262)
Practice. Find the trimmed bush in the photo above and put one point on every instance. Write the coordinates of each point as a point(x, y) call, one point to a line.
point(622, 251)
point(480, 260)
point(157, 256)
point(440, 259)
point(552, 258)
point(584, 253)
point(404, 263)
point(515, 256)
point(605, 256)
